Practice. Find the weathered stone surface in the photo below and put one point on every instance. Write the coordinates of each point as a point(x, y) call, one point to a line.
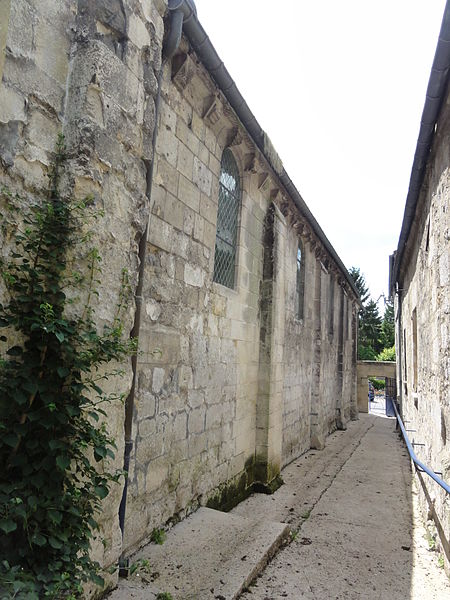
point(423, 328)
point(223, 374)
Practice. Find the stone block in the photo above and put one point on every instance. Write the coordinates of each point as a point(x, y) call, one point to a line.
point(196, 398)
point(185, 161)
point(214, 416)
point(198, 127)
point(42, 131)
point(193, 275)
point(52, 51)
point(203, 154)
point(152, 309)
point(196, 423)
point(208, 210)
point(188, 193)
point(214, 165)
point(167, 145)
point(185, 378)
point(174, 211)
point(187, 137)
point(160, 346)
point(157, 474)
point(22, 19)
point(25, 76)
point(199, 228)
point(158, 379)
point(202, 176)
point(137, 31)
point(198, 443)
point(179, 428)
point(209, 235)
point(146, 404)
point(12, 105)
point(147, 428)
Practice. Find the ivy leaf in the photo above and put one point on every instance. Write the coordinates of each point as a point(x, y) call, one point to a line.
point(19, 396)
point(38, 539)
point(55, 543)
point(60, 336)
point(98, 580)
point(55, 516)
point(31, 386)
point(101, 491)
point(62, 371)
point(100, 452)
point(63, 461)
point(11, 439)
point(7, 525)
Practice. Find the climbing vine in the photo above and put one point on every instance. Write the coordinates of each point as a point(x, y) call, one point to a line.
point(54, 444)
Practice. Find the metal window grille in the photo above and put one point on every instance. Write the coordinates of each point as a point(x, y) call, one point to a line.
point(227, 221)
point(300, 284)
point(331, 306)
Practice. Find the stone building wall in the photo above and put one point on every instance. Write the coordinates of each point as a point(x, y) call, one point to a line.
point(230, 385)
point(422, 307)
point(87, 69)
point(226, 376)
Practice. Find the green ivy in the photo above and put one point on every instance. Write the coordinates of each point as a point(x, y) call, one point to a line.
point(53, 437)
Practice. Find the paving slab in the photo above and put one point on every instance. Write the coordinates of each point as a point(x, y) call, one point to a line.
point(210, 555)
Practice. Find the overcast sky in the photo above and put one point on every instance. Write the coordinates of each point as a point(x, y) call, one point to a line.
point(339, 86)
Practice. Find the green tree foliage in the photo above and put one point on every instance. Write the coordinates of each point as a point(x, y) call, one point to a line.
point(370, 327)
point(53, 449)
point(388, 326)
point(387, 354)
point(360, 283)
point(369, 320)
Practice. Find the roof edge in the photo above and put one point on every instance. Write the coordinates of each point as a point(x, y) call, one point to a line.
point(206, 52)
point(436, 90)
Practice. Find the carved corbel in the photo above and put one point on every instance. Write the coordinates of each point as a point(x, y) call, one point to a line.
point(250, 163)
point(263, 182)
point(212, 112)
point(183, 69)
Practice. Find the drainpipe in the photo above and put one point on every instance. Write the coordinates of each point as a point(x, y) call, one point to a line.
point(180, 11)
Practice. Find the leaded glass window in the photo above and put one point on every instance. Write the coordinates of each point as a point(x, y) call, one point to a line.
point(227, 221)
point(300, 283)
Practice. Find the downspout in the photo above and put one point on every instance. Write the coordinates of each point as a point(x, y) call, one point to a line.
point(177, 16)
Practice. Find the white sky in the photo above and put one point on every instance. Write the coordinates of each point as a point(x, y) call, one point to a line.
point(339, 86)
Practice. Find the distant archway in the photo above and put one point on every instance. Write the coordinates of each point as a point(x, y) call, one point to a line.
point(371, 368)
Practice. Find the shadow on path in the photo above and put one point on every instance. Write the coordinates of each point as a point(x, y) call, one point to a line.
point(362, 539)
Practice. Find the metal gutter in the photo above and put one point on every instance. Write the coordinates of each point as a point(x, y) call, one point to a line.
point(417, 463)
point(206, 52)
point(436, 90)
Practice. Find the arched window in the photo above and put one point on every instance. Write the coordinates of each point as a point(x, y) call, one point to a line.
point(227, 221)
point(300, 282)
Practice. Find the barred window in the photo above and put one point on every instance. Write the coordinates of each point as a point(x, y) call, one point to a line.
point(227, 221)
point(300, 283)
point(331, 306)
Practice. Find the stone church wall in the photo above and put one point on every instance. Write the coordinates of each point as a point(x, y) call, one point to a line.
point(217, 408)
point(230, 384)
point(86, 69)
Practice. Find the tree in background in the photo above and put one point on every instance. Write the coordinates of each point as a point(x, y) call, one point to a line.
point(369, 320)
point(387, 326)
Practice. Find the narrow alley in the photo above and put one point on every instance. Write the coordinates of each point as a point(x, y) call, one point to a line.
point(354, 532)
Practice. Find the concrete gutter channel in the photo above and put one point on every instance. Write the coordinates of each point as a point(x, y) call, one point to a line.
point(213, 555)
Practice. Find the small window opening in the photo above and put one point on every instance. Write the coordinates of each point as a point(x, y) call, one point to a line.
point(227, 221)
point(331, 307)
point(300, 283)
point(415, 353)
